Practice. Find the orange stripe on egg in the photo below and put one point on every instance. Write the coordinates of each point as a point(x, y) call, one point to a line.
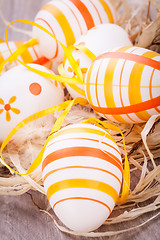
point(83, 167)
point(56, 47)
point(82, 183)
point(150, 89)
point(41, 61)
point(87, 139)
point(74, 16)
point(82, 151)
point(96, 11)
point(107, 10)
point(82, 198)
point(84, 12)
point(152, 103)
point(62, 20)
point(132, 57)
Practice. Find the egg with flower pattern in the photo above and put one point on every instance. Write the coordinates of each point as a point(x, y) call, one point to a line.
point(23, 93)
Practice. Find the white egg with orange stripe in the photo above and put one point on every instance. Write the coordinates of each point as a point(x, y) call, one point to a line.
point(123, 85)
point(101, 38)
point(82, 174)
point(23, 93)
point(30, 55)
point(67, 20)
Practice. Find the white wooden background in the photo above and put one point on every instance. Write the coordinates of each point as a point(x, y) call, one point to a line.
point(20, 219)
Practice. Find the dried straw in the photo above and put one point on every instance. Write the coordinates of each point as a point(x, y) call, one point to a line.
point(141, 19)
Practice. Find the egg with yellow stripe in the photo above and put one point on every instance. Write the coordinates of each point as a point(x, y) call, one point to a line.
point(30, 55)
point(123, 84)
point(82, 174)
point(99, 39)
point(68, 20)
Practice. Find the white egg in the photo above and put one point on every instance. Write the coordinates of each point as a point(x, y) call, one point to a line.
point(23, 93)
point(98, 39)
point(82, 175)
point(67, 21)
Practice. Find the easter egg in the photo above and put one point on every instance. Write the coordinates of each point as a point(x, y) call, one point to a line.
point(82, 175)
point(67, 20)
point(30, 55)
point(123, 85)
point(23, 93)
point(101, 38)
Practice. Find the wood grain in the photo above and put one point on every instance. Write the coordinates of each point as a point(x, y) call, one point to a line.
point(20, 219)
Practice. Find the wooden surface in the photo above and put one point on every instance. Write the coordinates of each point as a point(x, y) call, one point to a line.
point(20, 219)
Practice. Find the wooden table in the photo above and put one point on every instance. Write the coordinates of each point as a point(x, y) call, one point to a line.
point(20, 219)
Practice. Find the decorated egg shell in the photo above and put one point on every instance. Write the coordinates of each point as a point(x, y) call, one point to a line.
point(101, 38)
point(29, 56)
point(123, 85)
point(68, 20)
point(23, 93)
point(82, 174)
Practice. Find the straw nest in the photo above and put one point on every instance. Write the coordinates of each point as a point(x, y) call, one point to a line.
point(141, 19)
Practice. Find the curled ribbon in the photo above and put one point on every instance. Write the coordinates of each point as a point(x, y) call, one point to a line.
point(66, 106)
point(78, 80)
point(126, 171)
point(62, 72)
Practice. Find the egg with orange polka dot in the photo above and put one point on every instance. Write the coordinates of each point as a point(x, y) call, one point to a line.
point(123, 84)
point(23, 93)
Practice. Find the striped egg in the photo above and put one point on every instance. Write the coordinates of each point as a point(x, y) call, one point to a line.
point(30, 55)
point(123, 85)
point(68, 20)
point(99, 39)
point(82, 175)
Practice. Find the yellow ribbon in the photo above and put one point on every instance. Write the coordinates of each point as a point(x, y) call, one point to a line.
point(65, 105)
point(62, 72)
point(126, 171)
point(86, 51)
point(18, 52)
point(78, 80)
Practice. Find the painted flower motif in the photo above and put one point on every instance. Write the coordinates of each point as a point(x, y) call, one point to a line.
point(7, 107)
point(84, 70)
